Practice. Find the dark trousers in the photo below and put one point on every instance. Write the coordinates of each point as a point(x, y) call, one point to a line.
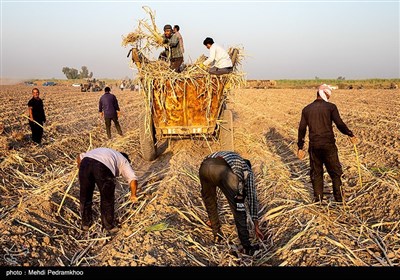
point(108, 126)
point(328, 156)
point(91, 173)
point(37, 131)
point(220, 71)
point(176, 63)
point(216, 172)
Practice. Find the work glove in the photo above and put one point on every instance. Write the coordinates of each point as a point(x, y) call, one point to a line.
point(134, 198)
point(301, 154)
point(159, 41)
point(202, 66)
point(354, 140)
point(78, 161)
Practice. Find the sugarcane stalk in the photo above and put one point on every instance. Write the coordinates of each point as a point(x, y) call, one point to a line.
point(66, 192)
point(32, 120)
point(73, 178)
point(358, 164)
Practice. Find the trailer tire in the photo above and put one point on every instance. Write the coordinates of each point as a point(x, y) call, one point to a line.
point(226, 131)
point(147, 138)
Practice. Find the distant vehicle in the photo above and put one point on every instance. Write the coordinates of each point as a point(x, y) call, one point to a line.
point(76, 85)
point(86, 87)
point(98, 86)
point(49, 84)
point(92, 85)
point(30, 84)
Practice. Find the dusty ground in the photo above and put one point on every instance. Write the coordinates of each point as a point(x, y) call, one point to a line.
point(39, 209)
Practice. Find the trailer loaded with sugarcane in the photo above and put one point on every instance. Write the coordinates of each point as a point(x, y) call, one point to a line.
point(189, 104)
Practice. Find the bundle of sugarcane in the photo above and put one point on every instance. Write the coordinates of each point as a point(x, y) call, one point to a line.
point(146, 35)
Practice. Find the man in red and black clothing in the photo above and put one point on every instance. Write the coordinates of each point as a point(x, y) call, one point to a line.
point(319, 116)
point(234, 176)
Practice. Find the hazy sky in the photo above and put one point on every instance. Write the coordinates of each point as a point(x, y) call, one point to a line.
point(282, 39)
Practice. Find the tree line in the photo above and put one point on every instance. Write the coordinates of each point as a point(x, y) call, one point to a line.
point(72, 73)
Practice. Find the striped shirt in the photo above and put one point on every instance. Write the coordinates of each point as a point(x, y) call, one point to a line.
point(240, 168)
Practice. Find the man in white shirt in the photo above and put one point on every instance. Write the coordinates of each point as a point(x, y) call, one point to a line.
point(219, 59)
point(100, 167)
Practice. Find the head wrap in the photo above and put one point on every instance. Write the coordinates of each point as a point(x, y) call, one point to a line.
point(325, 91)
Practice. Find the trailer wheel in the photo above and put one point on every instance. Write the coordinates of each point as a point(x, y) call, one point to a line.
point(147, 138)
point(226, 131)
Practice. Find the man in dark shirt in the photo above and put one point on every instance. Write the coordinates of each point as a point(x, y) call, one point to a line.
point(109, 109)
point(37, 116)
point(234, 176)
point(319, 116)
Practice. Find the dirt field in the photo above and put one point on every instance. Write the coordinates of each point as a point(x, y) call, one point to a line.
point(39, 206)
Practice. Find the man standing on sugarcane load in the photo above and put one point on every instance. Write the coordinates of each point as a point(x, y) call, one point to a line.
point(319, 116)
point(180, 38)
point(109, 110)
point(234, 176)
point(37, 117)
point(173, 52)
point(100, 167)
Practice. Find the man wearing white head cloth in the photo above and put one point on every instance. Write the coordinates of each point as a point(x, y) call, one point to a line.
point(318, 117)
point(325, 92)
